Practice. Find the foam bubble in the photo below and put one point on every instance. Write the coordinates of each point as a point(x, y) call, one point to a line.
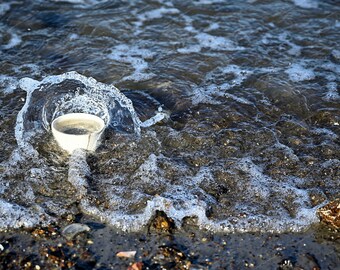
point(215, 88)
point(306, 3)
point(332, 93)
point(217, 43)
point(78, 171)
point(190, 49)
point(8, 83)
point(16, 216)
point(31, 69)
point(295, 49)
point(208, 41)
point(336, 54)
point(298, 73)
point(136, 57)
point(152, 15)
point(212, 26)
point(4, 7)
point(182, 201)
point(157, 13)
point(331, 67)
point(15, 40)
point(207, 2)
point(80, 2)
point(278, 40)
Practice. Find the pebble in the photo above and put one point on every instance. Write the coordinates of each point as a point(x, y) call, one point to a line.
point(72, 230)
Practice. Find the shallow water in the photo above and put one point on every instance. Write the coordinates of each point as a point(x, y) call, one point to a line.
point(245, 97)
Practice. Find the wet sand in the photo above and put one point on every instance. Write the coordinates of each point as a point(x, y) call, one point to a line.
point(161, 246)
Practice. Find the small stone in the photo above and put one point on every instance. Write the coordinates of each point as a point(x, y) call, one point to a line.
point(72, 230)
point(162, 223)
point(37, 267)
point(136, 266)
point(126, 254)
point(330, 214)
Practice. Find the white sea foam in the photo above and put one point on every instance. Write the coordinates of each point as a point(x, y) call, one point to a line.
point(16, 216)
point(212, 26)
point(278, 40)
point(190, 49)
point(306, 3)
point(336, 54)
point(189, 27)
point(207, 41)
point(217, 43)
point(4, 7)
point(298, 73)
point(295, 49)
point(157, 13)
point(152, 15)
point(207, 2)
point(15, 40)
point(325, 131)
point(136, 57)
point(332, 93)
point(210, 90)
point(78, 171)
point(331, 67)
point(31, 69)
point(178, 198)
point(80, 2)
point(8, 84)
point(178, 203)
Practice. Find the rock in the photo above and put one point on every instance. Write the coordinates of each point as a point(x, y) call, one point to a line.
point(136, 266)
point(330, 213)
point(72, 230)
point(126, 254)
point(161, 223)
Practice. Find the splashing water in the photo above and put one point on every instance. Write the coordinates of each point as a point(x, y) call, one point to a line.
point(252, 140)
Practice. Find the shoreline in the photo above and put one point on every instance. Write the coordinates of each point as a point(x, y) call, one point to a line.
point(163, 247)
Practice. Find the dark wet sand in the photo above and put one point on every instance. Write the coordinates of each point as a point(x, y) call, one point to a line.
point(160, 248)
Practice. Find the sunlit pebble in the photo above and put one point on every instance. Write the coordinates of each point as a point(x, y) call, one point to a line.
point(37, 267)
point(90, 242)
point(251, 265)
point(279, 248)
point(1, 247)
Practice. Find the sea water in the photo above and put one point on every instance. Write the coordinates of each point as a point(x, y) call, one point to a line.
point(223, 113)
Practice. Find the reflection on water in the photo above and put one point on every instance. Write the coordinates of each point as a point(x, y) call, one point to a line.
point(246, 94)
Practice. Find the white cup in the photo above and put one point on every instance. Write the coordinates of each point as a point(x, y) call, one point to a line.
point(77, 130)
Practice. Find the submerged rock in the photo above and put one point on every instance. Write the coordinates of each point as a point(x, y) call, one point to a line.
point(162, 223)
point(72, 230)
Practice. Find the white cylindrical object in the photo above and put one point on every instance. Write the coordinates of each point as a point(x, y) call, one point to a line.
point(78, 130)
